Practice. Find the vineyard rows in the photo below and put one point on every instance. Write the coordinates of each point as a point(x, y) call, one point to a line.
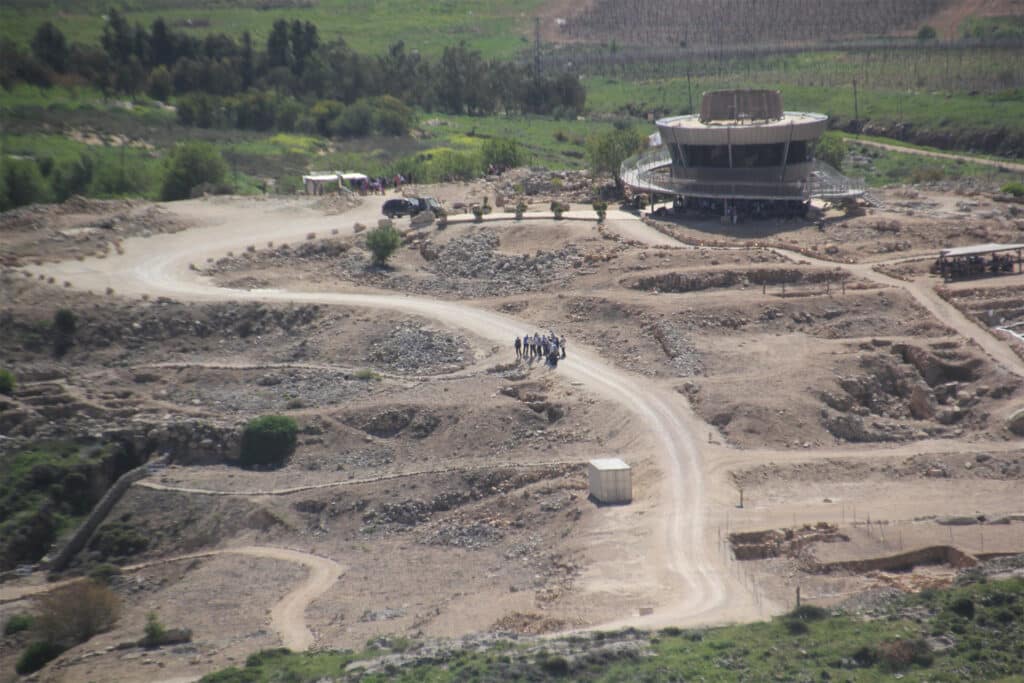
point(744, 22)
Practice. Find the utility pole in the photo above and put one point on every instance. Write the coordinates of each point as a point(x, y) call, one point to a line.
point(856, 108)
point(536, 48)
point(689, 90)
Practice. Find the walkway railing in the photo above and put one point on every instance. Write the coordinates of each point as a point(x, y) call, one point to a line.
point(651, 172)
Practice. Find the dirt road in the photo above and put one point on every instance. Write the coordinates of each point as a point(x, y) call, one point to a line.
point(287, 616)
point(995, 163)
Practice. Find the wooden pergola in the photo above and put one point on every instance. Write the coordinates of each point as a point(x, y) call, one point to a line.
point(965, 262)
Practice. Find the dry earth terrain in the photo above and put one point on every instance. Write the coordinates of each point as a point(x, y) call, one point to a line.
point(864, 411)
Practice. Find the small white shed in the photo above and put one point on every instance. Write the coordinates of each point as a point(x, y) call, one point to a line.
point(610, 481)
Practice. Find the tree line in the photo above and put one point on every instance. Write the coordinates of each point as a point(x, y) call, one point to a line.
point(292, 63)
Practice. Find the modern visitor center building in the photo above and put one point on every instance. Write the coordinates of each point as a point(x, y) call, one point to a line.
point(741, 153)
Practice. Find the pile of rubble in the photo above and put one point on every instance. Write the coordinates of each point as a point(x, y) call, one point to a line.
point(411, 347)
point(472, 266)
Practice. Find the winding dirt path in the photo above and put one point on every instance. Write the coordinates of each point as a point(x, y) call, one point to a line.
point(995, 163)
point(288, 616)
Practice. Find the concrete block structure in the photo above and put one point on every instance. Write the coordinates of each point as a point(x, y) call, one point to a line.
point(611, 481)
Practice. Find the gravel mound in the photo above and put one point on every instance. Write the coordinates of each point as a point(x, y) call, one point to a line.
point(410, 347)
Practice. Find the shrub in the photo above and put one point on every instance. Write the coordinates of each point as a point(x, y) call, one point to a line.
point(367, 375)
point(17, 623)
point(927, 33)
point(268, 441)
point(897, 655)
point(7, 382)
point(963, 607)
point(118, 540)
point(382, 242)
point(796, 627)
point(558, 209)
point(601, 207)
point(1016, 189)
point(104, 573)
point(831, 149)
point(37, 655)
point(809, 613)
point(191, 164)
point(64, 321)
point(521, 208)
point(23, 184)
point(153, 632)
point(75, 613)
point(501, 152)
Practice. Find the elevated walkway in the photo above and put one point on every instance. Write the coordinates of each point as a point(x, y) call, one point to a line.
point(652, 172)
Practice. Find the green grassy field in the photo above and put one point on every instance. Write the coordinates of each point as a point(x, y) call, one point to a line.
point(497, 28)
point(938, 110)
point(983, 624)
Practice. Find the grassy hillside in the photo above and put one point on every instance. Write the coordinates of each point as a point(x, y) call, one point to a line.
point(495, 27)
point(974, 632)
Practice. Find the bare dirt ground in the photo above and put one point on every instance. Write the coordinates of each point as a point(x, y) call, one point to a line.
point(447, 481)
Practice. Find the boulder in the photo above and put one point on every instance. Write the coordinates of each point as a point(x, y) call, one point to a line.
point(1016, 423)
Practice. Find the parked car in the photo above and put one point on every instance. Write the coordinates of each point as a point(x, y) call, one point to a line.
point(396, 208)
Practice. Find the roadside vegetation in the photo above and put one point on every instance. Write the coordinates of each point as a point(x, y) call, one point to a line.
point(47, 490)
point(971, 632)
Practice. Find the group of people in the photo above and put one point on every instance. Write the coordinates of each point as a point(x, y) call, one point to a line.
point(548, 348)
point(379, 185)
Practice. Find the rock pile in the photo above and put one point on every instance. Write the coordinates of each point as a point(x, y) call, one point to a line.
point(472, 265)
point(411, 347)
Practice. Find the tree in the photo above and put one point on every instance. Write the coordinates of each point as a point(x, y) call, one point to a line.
point(268, 441)
point(382, 242)
point(831, 149)
point(277, 45)
point(160, 86)
point(50, 47)
point(607, 151)
point(192, 164)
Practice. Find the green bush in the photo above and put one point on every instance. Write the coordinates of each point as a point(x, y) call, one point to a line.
point(191, 164)
point(1016, 189)
point(502, 153)
point(118, 539)
point(831, 149)
point(153, 632)
point(382, 242)
point(36, 656)
point(7, 382)
point(23, 184)
point(268, 441)
point(17, 623)
point(64, 321)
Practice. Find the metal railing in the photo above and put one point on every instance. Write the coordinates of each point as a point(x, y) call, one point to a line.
point(651, 172)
